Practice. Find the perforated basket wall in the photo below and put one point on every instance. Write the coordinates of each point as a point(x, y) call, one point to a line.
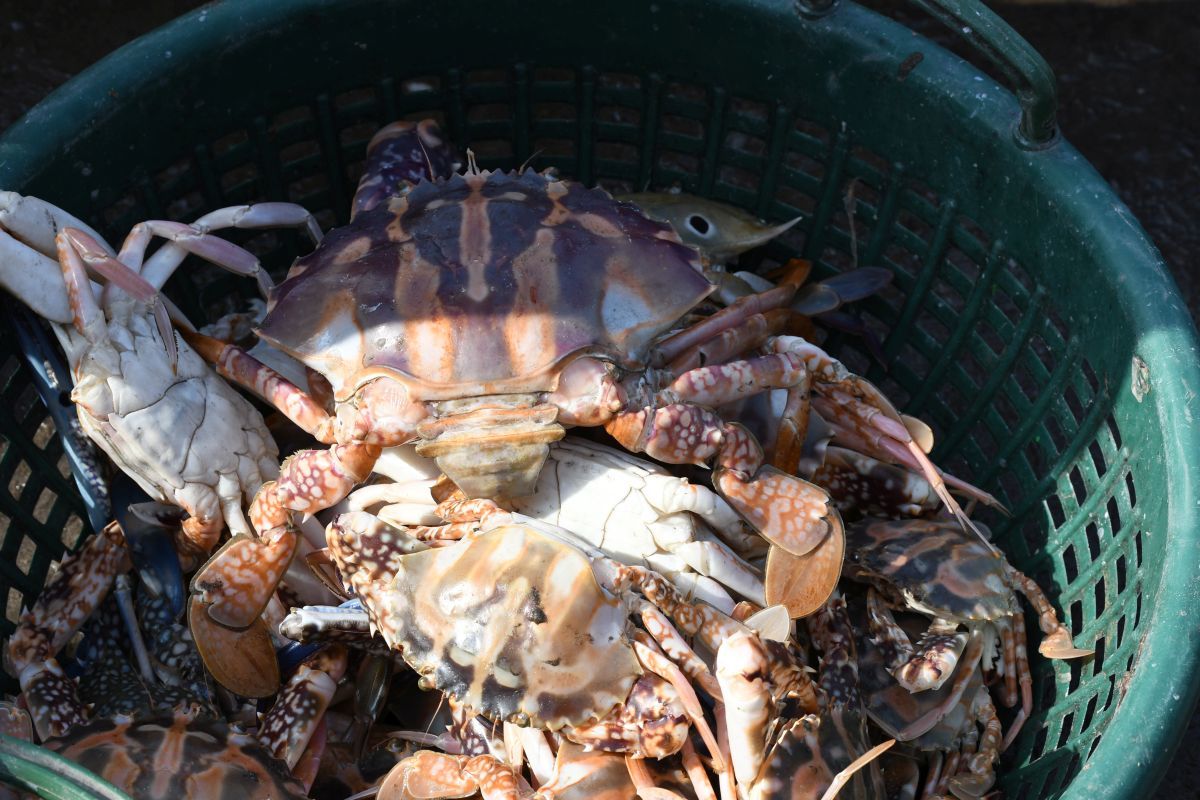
point(1025, 296)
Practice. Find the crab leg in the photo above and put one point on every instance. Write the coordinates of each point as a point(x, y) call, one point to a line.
point(28, 227)
point(77, 253)
point(1020, 665)
point(643, 781)
point(235, 364)
point(1057, 641)
point(69, 599)
point(430, 774)
point(72, 594)
point(787, 511)
point(892, 491)
point(673, 644)
point(238, 581)
point(290, 724)
point(742, 672)
point(856, 407)
point(733, 316)
point(710, 627)
point(213, 249)
point(185, 239)
point(980, 766)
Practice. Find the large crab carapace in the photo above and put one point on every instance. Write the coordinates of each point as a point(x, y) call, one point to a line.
point(480, 313)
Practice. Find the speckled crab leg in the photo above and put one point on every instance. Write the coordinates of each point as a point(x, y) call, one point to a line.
point(786, 510)
point(72, 594)
point(980, 773)
point(1057, 640)
point(711, 627)
point(290, 724)
point(236, 583)
point(855, 480)
point(857, 408)
point(430, 774)
point(69, 599)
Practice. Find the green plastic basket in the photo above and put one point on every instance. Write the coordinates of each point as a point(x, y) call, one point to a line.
point(1031, 321)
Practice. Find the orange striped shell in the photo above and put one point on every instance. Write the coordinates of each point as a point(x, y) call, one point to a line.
point(485, 283)
point(173, 757)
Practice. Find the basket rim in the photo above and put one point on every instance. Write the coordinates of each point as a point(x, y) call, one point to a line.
point(1140, 739)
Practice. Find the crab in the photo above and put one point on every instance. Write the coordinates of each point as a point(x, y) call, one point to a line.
point(481, 313)
point(632, 510)
point(942, 723)
point(577, 775)
point(146, 398)
point(520, 623)
point(135, 728)
point(779, 753)
point(932, 567)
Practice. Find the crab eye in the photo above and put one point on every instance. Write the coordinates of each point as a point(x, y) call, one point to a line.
point(699, 225)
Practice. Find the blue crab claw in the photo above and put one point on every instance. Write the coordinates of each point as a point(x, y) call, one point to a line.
point(293, 654)
point(52, 379)
point(150, 534)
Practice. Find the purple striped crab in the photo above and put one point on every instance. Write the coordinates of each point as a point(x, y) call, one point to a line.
point(480, 314)
point(149, 738)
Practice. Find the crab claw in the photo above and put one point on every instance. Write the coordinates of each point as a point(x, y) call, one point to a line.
point(789, 512)
point(429, 774)
point(242, 661)
point(804, 583)
point(237, 582)
point(291, 723)
point(1059, 645)
point(150, 529)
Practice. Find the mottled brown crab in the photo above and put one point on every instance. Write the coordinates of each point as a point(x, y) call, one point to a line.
point(151, 740)
point(480, 313)
point(931, 567)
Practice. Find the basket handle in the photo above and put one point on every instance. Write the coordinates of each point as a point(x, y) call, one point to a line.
point(1022, 66)
point(1019, 63)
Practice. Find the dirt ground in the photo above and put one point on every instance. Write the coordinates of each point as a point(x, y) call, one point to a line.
point(1129, 100)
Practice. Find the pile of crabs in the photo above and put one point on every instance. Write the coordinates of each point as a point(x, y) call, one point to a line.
point(461, 580)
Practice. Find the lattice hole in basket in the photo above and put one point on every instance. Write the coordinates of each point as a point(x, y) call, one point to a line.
point(554, 149)
point(616, 153)
point(800, 167)
point(624, 118)
point(740, 143)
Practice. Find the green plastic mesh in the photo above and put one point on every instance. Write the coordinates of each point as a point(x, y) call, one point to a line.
point(983, 336)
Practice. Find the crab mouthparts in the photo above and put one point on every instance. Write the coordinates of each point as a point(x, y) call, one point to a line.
point(492, 447)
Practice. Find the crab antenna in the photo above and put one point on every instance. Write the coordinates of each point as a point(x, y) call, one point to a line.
point(472, 167)
point(428, 160)
point(532, 156)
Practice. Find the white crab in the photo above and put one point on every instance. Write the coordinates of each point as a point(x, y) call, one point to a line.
point(146, 398)
point(632, 510)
